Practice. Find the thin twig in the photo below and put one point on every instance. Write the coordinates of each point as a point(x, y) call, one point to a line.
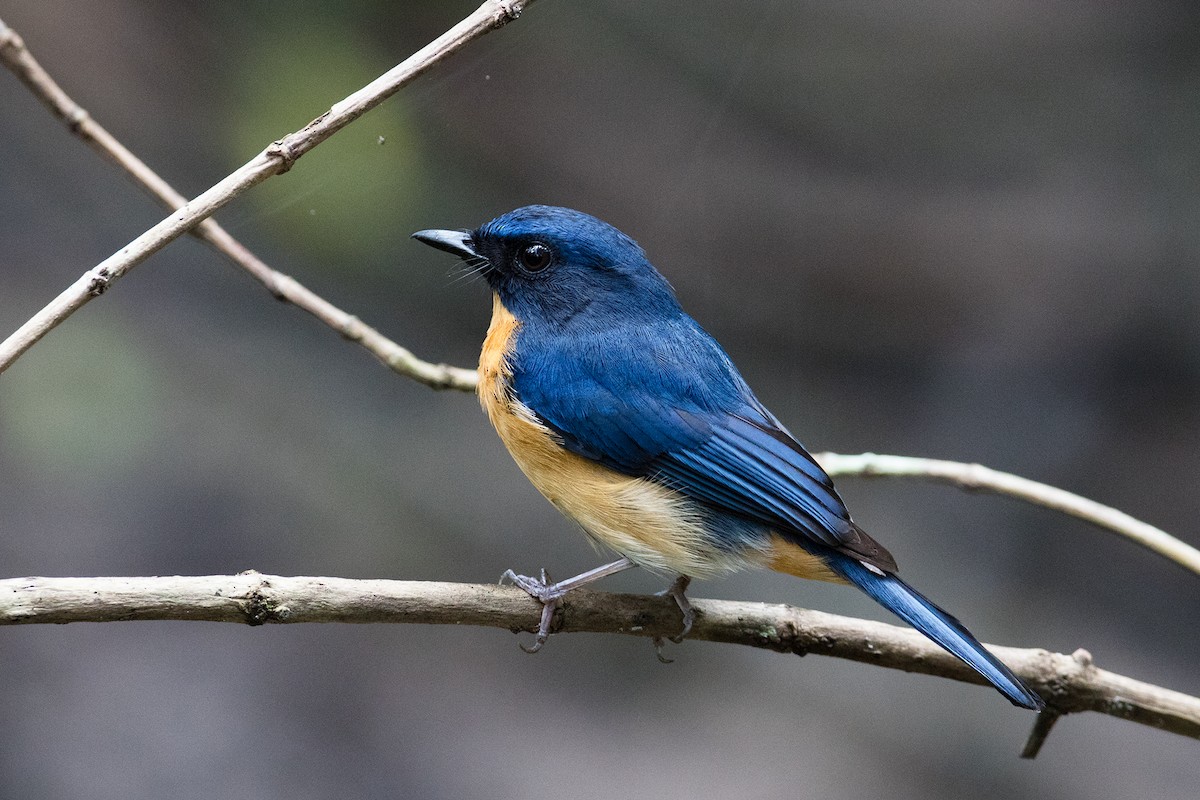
point(275, 159)
point(1069, 684)
point(976, 477)
point(16, 56)
point(1041, 729)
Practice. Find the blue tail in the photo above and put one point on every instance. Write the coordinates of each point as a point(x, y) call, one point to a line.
point(905, 602)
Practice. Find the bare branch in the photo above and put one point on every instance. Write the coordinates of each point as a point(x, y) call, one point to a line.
point(976, 477)
point(1069, 684)
point(275, 159)
point(16, 56)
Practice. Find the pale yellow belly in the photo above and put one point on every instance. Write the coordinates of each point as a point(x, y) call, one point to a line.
point(654, 526)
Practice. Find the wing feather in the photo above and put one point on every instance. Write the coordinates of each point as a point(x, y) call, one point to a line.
point(667, 403)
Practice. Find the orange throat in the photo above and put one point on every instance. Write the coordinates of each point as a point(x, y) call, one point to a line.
point(494, 369)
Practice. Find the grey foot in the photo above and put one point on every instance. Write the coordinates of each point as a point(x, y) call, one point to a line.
point(548, 594)
point(676, 591)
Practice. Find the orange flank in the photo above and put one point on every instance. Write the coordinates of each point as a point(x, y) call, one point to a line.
point(792, 559)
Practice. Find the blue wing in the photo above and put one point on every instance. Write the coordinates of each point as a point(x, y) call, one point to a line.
point(664, 401)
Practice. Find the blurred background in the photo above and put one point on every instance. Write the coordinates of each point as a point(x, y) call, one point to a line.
point(965, 231)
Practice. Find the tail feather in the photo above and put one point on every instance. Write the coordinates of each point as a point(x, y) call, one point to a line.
point(905, 602)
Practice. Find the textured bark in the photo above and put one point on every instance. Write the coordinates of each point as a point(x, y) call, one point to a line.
point(1069, 683)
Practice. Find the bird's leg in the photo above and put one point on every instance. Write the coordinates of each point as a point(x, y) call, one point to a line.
point(676, 591)
point(550, 594)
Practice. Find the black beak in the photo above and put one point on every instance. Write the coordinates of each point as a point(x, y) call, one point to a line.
point(456, 242)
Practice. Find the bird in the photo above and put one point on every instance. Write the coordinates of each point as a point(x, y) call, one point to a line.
point(633, 422)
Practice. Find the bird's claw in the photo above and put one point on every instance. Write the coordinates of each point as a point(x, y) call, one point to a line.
point(537, 588)
point(550, 596)
point(676, 591)
point(543, 632)
point(547, 593)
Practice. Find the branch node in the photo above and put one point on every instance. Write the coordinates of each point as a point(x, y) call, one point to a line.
point(507, 11)
point(257, 607)
point(277, 285)
point(1083, 658)
point(444, 379)
point(75, 118)
point(99, 282)
point(1041, 729)
point(974, 477)
point(791, 640)
point(282, 150)
point(10, 39)
point(352, 328)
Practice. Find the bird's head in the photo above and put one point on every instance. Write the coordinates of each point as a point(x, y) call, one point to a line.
point(554, 265)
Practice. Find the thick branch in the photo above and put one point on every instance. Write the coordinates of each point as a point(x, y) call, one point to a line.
point(1068, 683)
point(275, 159)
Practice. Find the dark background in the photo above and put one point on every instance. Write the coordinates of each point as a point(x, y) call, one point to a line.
point(957, 230)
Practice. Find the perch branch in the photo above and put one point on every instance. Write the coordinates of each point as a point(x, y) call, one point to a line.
point(976, 477)
point(1069, 683)
point(275, 159)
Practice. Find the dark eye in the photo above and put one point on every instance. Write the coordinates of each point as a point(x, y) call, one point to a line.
point(535, 257)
